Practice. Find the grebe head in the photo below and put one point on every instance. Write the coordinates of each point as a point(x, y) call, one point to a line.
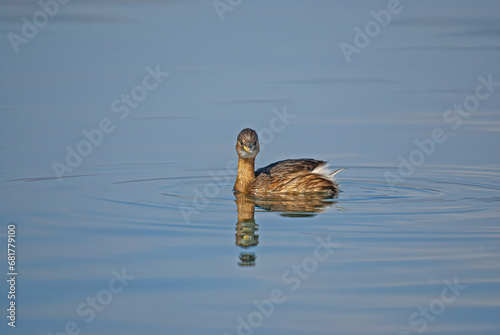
point(247, 145)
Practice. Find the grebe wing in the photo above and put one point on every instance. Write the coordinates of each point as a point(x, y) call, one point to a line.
point(290, 166)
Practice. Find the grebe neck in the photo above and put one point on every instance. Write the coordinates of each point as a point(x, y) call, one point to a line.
point(246, 174)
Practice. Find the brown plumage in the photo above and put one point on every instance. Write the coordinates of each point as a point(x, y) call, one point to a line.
point(287, 176)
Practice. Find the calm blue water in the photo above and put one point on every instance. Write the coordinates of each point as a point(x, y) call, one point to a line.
point(117, 133)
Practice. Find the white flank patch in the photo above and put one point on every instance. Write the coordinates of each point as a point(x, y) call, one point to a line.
point(325, 171)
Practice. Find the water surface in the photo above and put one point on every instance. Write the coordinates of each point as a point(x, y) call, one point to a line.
point(142, 233)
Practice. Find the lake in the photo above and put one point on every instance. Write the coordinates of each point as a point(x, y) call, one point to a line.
point(118, 132)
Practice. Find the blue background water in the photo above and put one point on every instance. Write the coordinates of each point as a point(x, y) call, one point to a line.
point(147, 200)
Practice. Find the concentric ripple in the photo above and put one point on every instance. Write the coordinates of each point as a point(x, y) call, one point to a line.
point(364, 190)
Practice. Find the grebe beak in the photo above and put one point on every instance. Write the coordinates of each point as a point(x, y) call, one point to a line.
point(249, 149)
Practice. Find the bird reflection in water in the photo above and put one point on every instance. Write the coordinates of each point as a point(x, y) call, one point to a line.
point(299, 205)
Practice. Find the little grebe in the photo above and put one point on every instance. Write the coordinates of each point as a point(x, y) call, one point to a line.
point(287, 176)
